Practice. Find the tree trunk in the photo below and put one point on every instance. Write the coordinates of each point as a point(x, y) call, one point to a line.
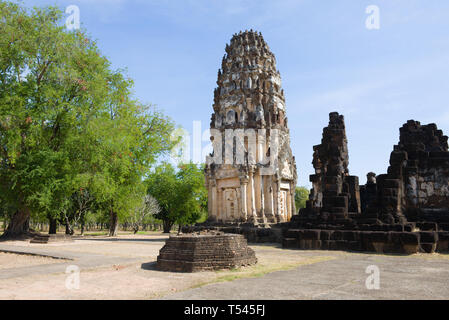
point(19, 224)
point(26, 225)
point(68, 231)
point(53, 228)
point(167, 226)
point(113, 226)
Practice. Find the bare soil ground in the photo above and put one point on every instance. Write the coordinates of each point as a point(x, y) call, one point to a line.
point(125, 268)
point(129, 280)
point(12, 260)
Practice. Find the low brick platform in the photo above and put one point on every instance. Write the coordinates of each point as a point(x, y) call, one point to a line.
point(195, 252)
point(252, 233)
point(47, 238)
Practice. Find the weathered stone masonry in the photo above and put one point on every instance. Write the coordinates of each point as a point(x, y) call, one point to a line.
point(205, 251)
point(403, 211)
point(334, 190)
point(420, 163)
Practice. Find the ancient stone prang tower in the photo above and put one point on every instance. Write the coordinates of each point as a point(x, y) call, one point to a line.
point(249, 112)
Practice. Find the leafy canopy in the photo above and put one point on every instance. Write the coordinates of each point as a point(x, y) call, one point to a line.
point(181, 194)
point(301, 196)
point(68, 120)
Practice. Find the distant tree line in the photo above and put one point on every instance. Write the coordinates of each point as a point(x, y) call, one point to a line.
point(301, 196)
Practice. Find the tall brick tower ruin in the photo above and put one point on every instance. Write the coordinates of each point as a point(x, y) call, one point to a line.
point(334, 190)
point(249, 126)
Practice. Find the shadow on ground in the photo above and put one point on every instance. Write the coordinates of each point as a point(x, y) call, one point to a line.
point(122, 240)
point(149, 266)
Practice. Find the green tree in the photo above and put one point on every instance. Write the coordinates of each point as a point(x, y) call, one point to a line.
point(45, 99)
point(142, 214)
point(181, 194)
point(67, 121)
point(192, 186)
point(301, 196)
point(81, 202)
point(136, 136)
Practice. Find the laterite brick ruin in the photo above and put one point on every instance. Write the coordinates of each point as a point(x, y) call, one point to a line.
point(205, 251)
point(405, 210)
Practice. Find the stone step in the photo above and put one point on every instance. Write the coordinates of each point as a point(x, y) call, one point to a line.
point(46, 238)
point(38, 241)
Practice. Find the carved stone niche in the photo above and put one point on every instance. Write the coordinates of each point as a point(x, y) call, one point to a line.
point(282, 198)
point(230, 204)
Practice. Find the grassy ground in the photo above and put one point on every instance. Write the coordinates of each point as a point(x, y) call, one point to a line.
point(260, 269)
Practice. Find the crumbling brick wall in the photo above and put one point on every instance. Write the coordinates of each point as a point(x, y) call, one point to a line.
point(405, 210)
point(334, 190)
point(416, 186)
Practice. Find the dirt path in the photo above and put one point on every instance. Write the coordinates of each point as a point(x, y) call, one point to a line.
point(124, 268)
point(400, 277)
point(9, 260)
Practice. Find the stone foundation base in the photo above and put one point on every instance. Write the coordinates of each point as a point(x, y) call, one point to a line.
point(371, 241)
point(408, 238)
point(203, 251)
point(252, 233)
point(47, 238)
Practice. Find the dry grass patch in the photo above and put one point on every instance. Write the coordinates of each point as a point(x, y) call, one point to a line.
point(264, 266)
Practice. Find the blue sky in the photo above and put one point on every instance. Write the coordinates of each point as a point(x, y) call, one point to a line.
point(328, 60)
